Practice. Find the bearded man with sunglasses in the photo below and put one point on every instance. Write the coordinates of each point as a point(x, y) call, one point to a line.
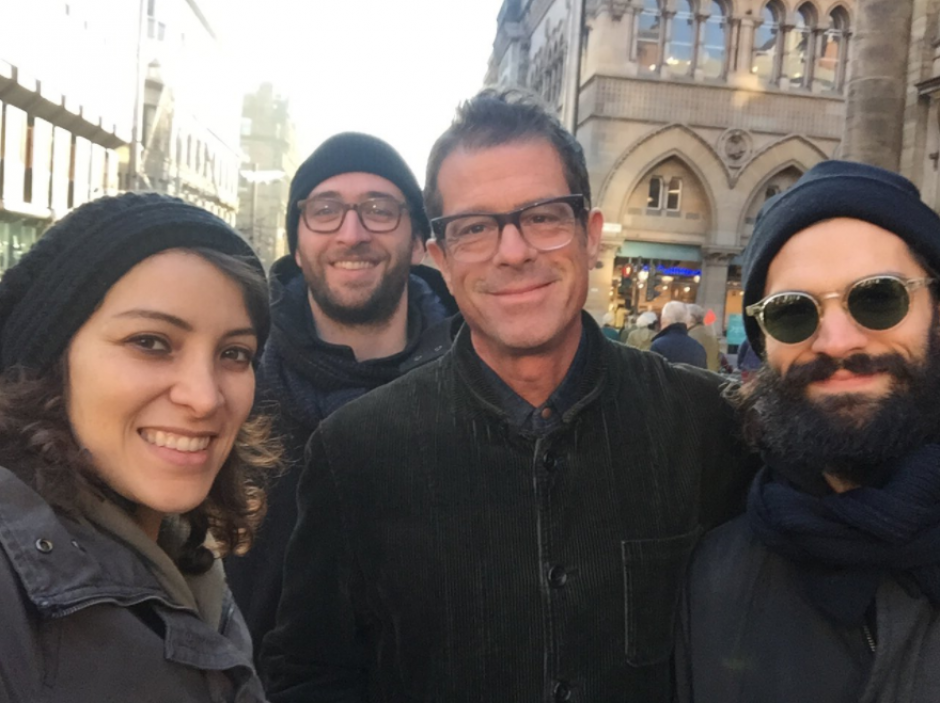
point(511, 522)
point(351, 310)
point(828, 589)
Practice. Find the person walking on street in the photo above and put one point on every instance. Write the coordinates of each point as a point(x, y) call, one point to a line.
point(642, 337)
point(704, 335)
point(673, 340)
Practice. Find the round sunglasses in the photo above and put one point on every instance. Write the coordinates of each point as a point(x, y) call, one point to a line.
point(876, 303)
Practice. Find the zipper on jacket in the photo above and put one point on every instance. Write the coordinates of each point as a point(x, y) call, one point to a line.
point(868, 638)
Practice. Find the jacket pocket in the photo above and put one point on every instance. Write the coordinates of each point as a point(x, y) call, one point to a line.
point(653, 574)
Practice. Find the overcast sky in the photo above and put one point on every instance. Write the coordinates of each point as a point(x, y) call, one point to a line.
point(393, 69)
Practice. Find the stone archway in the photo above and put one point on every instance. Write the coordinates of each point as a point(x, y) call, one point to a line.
point(669, 141)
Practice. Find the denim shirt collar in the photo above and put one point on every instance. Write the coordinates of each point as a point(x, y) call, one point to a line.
point(525, 417)
point(582, 386)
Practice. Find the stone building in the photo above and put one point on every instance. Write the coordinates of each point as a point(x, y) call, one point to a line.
point(65, 113)
point(692, 113)
point(187, 140)
point(269, 145)
point(918, 157)
point(100, 96)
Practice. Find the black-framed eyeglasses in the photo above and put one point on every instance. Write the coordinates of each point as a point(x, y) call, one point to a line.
point(325, 215)
point(876, 303)
point(546, 225)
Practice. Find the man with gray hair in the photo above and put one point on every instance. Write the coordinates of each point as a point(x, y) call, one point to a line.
point(704, 335)
point(673, 340)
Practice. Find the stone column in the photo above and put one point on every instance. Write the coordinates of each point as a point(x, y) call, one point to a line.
point(876, 90)
point(739, 70)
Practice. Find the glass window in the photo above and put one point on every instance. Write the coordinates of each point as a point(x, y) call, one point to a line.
point(771, 191)
point(649, 29)
point(798, 39)
point(682, 42)
point(714, 43)
point(655, 200)
point(830, 62)
point(674, 194)
point(766, 38)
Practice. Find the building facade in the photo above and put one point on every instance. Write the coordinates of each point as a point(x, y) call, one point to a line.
point(269, 147)
point(691, 113)
point(100, 96)
point(187, 141)
point(66, 111)
point(920, 150)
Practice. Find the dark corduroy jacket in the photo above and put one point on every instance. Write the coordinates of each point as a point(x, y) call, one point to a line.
point(442, 556)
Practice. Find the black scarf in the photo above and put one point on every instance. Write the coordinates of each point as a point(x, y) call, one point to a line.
point(309, 378)
point(846, 543)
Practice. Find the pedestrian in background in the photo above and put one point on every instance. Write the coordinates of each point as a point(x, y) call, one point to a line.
point(351, 311)
point(129, 458)
point(673, 340)
point(608, 328)
point(704, 335)
point(642, 337)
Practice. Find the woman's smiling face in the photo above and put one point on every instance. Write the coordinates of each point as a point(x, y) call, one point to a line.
point(160, 381)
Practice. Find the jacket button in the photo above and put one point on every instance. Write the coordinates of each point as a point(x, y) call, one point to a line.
point(549, 462)
point(561, 692)
point(557, 576)
point(44, 545)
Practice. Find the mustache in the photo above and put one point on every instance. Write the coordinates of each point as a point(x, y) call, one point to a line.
point(823, 367)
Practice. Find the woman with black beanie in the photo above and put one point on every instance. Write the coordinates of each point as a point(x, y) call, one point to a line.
point(129, 457)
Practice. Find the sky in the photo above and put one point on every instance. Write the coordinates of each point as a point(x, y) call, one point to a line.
point(395, 69)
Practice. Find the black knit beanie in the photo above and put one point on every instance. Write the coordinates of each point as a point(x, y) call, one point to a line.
point(57, 285)
point(829, 190)
point(351, 152)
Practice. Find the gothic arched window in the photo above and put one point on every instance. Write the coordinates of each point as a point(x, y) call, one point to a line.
point(714, 53)
point(765, 63)
point(833, 52)
point(682, 40)
point(798, 58)
point(649, 37)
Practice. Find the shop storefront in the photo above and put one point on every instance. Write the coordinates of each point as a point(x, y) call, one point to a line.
point(651, 274)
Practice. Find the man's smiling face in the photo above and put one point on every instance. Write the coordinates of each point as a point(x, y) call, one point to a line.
point(356, 276)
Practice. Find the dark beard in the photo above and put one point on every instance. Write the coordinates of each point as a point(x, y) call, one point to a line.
point(375, 311)
point(850, 436)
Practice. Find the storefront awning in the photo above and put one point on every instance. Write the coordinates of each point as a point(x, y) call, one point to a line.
point(659, 251)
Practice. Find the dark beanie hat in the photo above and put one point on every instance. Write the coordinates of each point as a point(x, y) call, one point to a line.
point(351, 152)
point(836, 189)
point(57, 285)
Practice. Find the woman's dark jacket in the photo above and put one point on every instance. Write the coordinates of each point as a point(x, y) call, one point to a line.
point(749, 634)
point(83, 619)
point(301, 380)
point(443, 556)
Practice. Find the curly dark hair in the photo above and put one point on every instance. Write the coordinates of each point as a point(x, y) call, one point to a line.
point(38, 445)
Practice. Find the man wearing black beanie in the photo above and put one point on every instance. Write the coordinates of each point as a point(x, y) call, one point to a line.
point(351, 311)
point(828, 589)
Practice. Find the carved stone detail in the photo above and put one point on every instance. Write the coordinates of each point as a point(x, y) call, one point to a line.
point(734, 147)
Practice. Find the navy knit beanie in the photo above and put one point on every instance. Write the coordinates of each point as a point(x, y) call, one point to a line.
point(351, 152)
point(829, 190)
point(57, 285)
